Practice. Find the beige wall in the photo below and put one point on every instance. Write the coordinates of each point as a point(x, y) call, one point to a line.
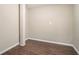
point(52, 22)
point(27, 27)
point(75, 40)
point(9, 23)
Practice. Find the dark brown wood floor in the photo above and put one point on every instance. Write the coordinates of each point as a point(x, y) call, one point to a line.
point(41, 48)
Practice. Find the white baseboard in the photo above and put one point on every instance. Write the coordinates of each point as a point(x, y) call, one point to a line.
point(75, 49)
point(8, 48)
point(22, 44)
point(66, 44)
point(50, 41)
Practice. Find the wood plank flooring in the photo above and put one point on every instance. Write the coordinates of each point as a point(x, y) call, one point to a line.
point(33, 47)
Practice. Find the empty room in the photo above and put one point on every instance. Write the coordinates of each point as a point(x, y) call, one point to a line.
point(39, 29)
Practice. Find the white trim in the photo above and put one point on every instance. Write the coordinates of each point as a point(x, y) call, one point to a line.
point(9, 48)
point(76, 49)
point(22, 23)
point(66, 44)
point(22, 44)
point(50, 41)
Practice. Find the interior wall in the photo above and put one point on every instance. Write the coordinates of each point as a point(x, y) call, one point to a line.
point(52, 23)
point(27, 26)
point(75, 40)
point(9, 25)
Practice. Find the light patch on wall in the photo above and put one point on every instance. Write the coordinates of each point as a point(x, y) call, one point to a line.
point(50, 22)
